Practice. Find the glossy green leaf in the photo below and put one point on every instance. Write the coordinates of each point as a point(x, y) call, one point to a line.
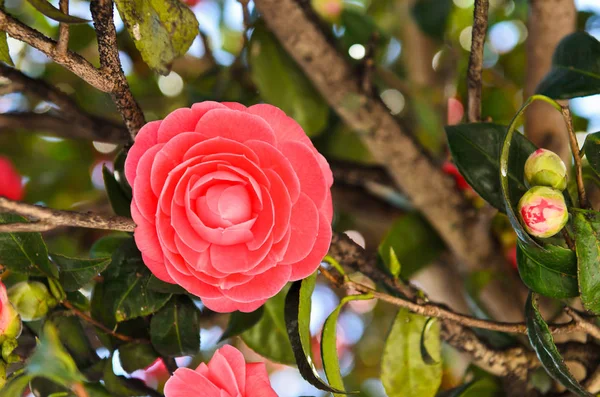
point(403, 371)
point(120, 202)
point(432, 16)
point(105, 246)
point(240, 322)
point(162, 30)
point(175, 329)
point(414, 242)
point(167, 288)
point(15, 386)
point(75, 272)
point(25, 252)
point(51, 360)
point(587, 242)
point(269, 336)
point(592, 150)
point(4, 51)
point(476, 150)
point(126, 285)
point(542, 342)
point(329, 353)
point(395, 266)
point(575, 68)
point(52, 12)
point(425, 355)
point(485, 387)
point(134, 356)
point(75, 340)
point(541, 276)
point(282, 83)
point(297, 320)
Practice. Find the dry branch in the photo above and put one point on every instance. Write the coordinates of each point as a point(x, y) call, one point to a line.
point(475, 70)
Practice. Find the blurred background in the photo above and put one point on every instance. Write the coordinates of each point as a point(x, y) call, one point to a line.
point(416, 59)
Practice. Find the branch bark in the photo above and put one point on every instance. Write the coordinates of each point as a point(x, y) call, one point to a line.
point(475, 70)
point(445, 208)
point(549, 21)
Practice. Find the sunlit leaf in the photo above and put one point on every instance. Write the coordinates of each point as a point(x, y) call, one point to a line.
point(587, 243)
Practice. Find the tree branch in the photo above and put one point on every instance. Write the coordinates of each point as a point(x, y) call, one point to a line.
point(583, 202)
point(45, 219)
point(102, 14)
point(63, 30)
point(70, 60)
point(445, 208)
point(474, 80)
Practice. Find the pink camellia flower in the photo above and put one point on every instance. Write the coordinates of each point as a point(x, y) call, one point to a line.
point(543, 211)
point(10, 181)
point(226, 375)
point(230, 202)
point(10, 323)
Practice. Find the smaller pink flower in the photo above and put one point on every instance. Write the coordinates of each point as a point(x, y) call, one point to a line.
point(10, 323)
point(543, 211)
point(10, 181)
point(155, 375)
point(226, 375)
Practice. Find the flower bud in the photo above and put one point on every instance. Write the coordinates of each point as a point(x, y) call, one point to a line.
point(545, 168)
point(543, 211)
point(329, 10)
point(10, 323)
point(31, 299)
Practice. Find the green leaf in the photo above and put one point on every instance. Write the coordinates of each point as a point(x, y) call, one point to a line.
point(134, 356)
point(175, 329)
point(329, 354)
point(297, 320)
point(121, 386)
point(75, 272)
point(575, 68)
point(167, 288)
point(52, 12)
point(432, 16)
point(554, 279)
point(50, 360)
point(587, 234)
point(74, 339)
point(15, 386)
point(25, 252)
point(269, 336)
point(4, 51)
point(485, 387)
point(476, 150)
point(542, 342)
point(126, 288)
point(414, 242)
point(282, 83)
point(240, 322)
point(120, 202)
point(105, 246)
point(162, 30)
point(592, 150)
point(403, 371)
point(395, 266)
point(425, 355)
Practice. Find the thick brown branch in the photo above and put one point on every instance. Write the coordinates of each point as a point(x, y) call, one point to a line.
point(474, 73)
point(94, 128)
point(70, 60)
point(102, 13)
point(413, 172)
point(45, 219)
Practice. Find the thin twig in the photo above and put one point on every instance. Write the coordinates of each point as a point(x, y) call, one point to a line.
point(47, 219)
point(568, 239)
point(474, 79)
point(207, 47)
point(583, 202)
point(587, 326)
point(63, 32)
point(102, 14)
point(105, 329)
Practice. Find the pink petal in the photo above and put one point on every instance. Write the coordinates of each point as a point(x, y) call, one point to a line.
point(158, 268)
point(145, 199)
point(235, 125)
point(188, 383)
point(224, 374)
point(235, 106)
point(304, 226)
point(178, 121)
point(262, 286)
point(286, 128)
point(145, 235)
point(305, 163)
point(234, 205)
point(220, 145)
point(201, 108)
point(282, 204)
point(237, 363)
point(194, 286)
point(308, 265)
point(229, 259)
point(226, 305)
point(264, 223)
point(257, 381)
point(271, 158)
point(145, 139)
point(184, 229)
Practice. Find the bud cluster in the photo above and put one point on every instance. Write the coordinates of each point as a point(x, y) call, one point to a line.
point(542, 209)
